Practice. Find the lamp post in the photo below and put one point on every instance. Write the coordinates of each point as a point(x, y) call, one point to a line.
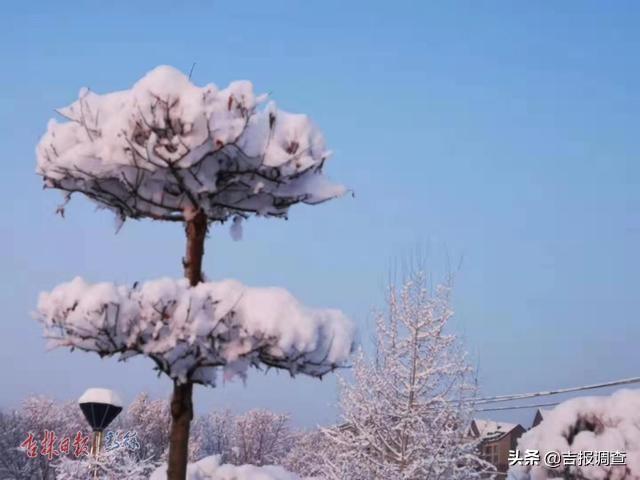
point(100, 407)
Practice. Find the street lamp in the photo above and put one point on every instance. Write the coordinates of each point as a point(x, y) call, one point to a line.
point(100, 407)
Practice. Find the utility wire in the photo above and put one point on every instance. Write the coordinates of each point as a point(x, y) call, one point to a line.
point(517, 407)
point(520, 396)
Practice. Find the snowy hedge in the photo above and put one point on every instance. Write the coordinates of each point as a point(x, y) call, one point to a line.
point(166, 148)
point(210, 469)
point(191, 331)
point(587, 424)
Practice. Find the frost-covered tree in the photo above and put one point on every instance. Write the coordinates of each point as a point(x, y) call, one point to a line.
point(261, 437)
point(212, 434)
point(256, 437)
point(36, 415)
point(308, 449)
point(169, 150)
point(402, 417)
point(150, 419)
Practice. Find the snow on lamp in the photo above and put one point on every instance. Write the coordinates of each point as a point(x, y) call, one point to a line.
point(100, 407)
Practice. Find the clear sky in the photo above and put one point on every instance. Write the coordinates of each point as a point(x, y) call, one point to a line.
point(505, 133)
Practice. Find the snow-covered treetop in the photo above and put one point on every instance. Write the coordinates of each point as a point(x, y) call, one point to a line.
point(101, 395)
point(191, 331)
point(166, 148)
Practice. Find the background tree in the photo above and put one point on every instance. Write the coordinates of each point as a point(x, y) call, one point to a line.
point(151, 420)
point(402, 415)
point(169, 150)
point(256, 437)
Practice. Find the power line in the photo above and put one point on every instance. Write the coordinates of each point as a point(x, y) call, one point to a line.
point(520, 396)
point(517, 407)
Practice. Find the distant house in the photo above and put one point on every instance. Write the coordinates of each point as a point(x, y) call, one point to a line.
point(539, 416)
point(496, 439)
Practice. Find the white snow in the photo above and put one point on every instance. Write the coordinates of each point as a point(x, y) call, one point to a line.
point(608, 423)
point(166, 147)
point(101, 395)
point(209, 468)
point(236, 228)
point(190, 331)
point(490, 429)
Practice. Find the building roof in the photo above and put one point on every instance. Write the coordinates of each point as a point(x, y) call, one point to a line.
point(490, 430)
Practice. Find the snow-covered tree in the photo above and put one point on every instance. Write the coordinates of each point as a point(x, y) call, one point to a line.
point(36, 415)
point(308, 449)
point(588, 438)
point(212, 434)
point(402, 417)
point(261, 437)
point(150, 419)
point(169, 150)
point(256, 437)
point(14, 462)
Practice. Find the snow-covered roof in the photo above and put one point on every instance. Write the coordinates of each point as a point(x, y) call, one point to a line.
point(491, 430)
point(543, 412)
point(101, 395)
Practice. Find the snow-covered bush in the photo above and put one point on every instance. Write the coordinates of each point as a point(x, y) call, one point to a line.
point(402, 417)
point(210, 468)
point(190, 331)
point(589, 424)
point(167, 148)
point(112, 465)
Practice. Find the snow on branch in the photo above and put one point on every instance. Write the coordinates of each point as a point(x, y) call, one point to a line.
point(191, 331)
point(167, 148)
point(608, 427)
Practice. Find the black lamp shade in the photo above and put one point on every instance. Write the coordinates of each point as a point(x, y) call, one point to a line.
point(99, 415)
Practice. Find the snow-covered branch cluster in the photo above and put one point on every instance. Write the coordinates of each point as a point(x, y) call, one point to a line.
point(191, 331)
point(602, 425)
point(167, 148)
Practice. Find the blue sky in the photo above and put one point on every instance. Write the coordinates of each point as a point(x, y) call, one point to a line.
point(502, 133)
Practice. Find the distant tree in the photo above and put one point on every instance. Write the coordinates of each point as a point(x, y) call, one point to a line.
point(169, 150)
point(151, 420)
point(307, 453)
point(36, 415)
point(260, 437)
point(257, 437)
point(402, 416)
point(213, 435)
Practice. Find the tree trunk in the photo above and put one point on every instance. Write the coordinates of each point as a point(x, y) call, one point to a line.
point(181, 402)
